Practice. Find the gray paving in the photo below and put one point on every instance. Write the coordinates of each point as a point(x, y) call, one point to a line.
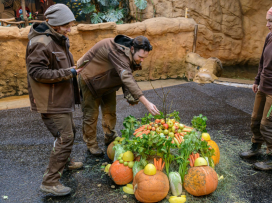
point(25, 143)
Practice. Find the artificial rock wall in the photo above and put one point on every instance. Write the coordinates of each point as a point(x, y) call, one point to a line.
point(231, 30)
point(171, 38)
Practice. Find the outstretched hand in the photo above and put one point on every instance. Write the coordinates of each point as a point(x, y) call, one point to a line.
point(149, 106)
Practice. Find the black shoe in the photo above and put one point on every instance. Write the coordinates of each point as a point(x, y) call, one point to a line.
point(264, 166)
point(255, 150)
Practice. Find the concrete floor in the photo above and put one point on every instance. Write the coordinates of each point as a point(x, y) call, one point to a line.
point(23, 101)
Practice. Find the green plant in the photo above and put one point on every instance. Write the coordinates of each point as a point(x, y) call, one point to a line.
point(141, 5)
point(104, 10)
point(192, 143)
point(199, 123)
point(130, 123)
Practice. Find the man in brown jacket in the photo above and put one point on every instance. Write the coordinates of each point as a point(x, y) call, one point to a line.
point(53, 90)
point(110, 66)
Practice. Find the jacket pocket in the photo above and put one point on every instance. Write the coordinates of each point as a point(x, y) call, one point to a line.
point(59, 59)
point(106, 83)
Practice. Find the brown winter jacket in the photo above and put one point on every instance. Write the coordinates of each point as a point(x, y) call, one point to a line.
point(52, 82)
point(110, 66)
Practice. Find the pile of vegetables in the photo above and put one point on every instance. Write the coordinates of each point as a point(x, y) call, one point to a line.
point(175, 154)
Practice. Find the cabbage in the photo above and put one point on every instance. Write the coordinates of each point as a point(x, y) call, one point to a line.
point(118, 150)
point(175, 183)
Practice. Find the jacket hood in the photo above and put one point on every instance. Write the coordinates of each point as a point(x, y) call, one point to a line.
point(44, 29)
point(123, 40)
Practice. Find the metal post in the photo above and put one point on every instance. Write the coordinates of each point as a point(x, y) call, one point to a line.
point(24, 12)
point(195, 38)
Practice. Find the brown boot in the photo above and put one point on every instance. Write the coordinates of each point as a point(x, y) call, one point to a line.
point(255, 150)
point(74, 165)
point(59, 190)
point(110, 137)
point(96, 151)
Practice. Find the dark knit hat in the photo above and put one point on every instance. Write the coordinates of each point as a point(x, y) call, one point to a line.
point(59, 14)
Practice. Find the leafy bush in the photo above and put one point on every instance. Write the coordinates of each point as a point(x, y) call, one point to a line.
point(104, 11)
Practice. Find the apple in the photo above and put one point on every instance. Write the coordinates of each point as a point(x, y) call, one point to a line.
point(166, 126)
point(162, 121)
point(158, 130)
point(179, 130)
point(153, 128)
point(161, 134)
point(171, 134)
point(151, 123)
point(149, 127)
point(156, 125)
point(181, 126)
point(166, 132)
point(173, 120)
point(170, 123)
point(157, 121)
point(173, 128)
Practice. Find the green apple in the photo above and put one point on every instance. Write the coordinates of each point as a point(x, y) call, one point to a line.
point(125, 163)
point(170, 123)
point(158, 130)
point(179, 130)
point(181, 126)
point(166, 132)
point(171, 134)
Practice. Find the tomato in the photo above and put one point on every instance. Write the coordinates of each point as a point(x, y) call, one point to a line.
point(165, 126)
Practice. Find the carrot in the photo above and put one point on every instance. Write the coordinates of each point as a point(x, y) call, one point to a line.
point(155, 163)
point(191, 164)
point(162, 166)
point(160, 163)
point(188, 127)
point(181, 139)
point(193, 158)
point(186, 130)
point(197, 155)
point(139, 134)
point(177, 137)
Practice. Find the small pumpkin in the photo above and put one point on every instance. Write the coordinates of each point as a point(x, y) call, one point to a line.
point(201, 180)
point(150, 188)
point(111, 151)
point(120, 173)
point(216, 157)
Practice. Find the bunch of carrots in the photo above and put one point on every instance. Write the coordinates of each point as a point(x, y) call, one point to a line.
point(140, 131)
point(158, 164)
point(192, 158)
point(179, 137)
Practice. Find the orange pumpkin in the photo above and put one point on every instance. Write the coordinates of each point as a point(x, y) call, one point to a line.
point(150, 188)
point(216, 157)
point(120, 173)
point(111, 151)
point(201, 180)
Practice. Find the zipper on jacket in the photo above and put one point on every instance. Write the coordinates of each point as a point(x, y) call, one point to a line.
point(52, 93)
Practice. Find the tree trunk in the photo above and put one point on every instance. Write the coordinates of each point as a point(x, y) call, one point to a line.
point(24, 12)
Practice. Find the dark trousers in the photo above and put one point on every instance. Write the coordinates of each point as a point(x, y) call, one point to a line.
point(63, 129)
point(261, 120)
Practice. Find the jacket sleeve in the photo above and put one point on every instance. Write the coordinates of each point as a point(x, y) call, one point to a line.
point(38, 61)
point(123, 69)
point(260, 69)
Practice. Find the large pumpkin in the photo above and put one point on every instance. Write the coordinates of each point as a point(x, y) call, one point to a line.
point(150, 188)
point(201, 180)
point(216, 157)
point(120, 173)
point(111, 151)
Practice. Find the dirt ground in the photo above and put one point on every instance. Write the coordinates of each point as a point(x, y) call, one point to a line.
point(25, 146)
